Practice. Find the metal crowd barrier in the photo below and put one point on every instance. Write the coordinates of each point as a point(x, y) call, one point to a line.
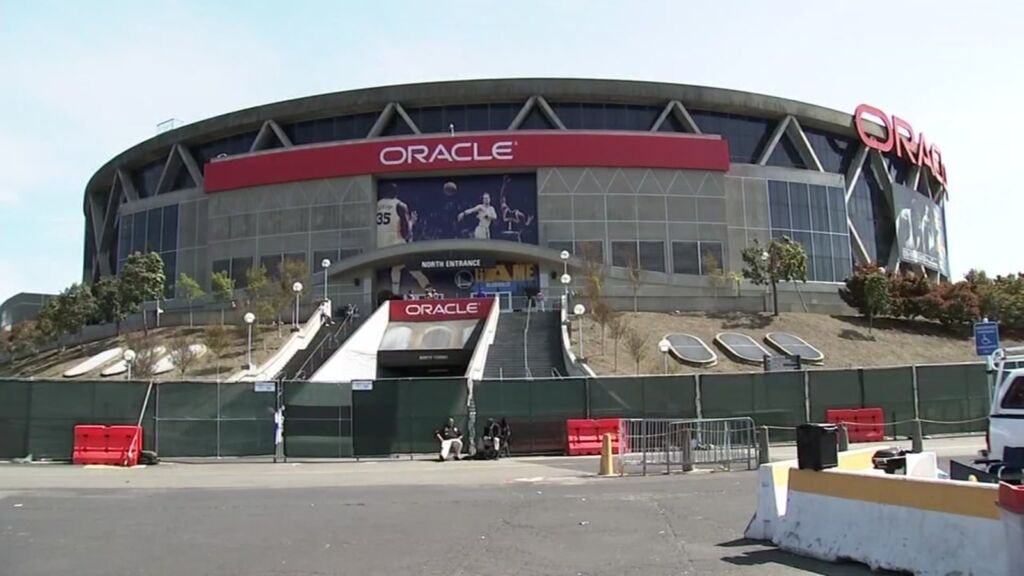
point(685, 444)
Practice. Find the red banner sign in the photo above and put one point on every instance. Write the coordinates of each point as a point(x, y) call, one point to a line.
point(520, 149)
point(440, 310)
point(900, 140)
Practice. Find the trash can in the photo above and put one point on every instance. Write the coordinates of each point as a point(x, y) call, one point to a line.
point(816, 446)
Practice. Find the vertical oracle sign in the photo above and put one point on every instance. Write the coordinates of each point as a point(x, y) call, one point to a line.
point(899, 139)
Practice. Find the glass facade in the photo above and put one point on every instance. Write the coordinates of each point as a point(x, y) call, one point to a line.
point(814, 216)
point(153, 230)
point(590, 116)
point(747, 136)
point(697, 258)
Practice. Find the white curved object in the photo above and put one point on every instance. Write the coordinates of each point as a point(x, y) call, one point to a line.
point(167, 363)
point(120, 367)
point(94, 362)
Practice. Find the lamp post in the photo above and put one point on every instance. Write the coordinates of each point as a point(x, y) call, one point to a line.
point(664, 347)
point(566, 280)
point(249, 319)
point(579, 310)
point(129, 359)
point(325, 264)
point(564, 255)
point(297, 288)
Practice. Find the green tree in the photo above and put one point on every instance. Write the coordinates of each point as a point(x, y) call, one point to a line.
point(191, 291)
point(853, 291)
point(293, 271)
point(142, 279)
point(877, 297)
point(259, 293)
point(713, 270)
point(636, 345)
point(106, 291)
point(218, 340)
point(782, 261)
point(223, 288)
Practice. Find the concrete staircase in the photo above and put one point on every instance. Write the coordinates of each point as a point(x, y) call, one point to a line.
point(505, 358)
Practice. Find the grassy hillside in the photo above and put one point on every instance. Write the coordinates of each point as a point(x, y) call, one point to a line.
point(53, 364)
point(845, 341)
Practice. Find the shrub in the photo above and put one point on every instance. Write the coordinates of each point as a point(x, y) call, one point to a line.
point(854, 293)
point(909, 294)
point(952, 304)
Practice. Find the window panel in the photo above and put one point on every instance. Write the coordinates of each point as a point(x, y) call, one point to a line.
point(685, 258)
point(819, 209)
point(153, 233)
point(318, 257)
point(624, 253)
point(821, 258)
point(477, 118)
point(325, 217)
point(349, 253)
point(169, 239)
point(272, 264)
point(834, 152)
point(239, 268)
point(560, 245)
point(652, 256)
point(711, 257)
point(842, 263)
point(124, 237)
point(295, 220)
point(590, 250)
point(799, 206)
point(746, 135)
point(837, 210)
point(221, 266)
point(778, 204)
point(170, 272)
point(270, 223)
point(570, 114)
point(501, 115)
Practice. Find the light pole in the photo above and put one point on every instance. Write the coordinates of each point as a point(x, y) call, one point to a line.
point(566, 280)
point(325, 264)
point(129, 359)
point(579, 310)
point(297, 288)
point(249, 319)
point(664, 347)
point(564, 255)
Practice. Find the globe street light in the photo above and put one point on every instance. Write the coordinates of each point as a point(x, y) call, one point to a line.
point(325, 264)
point(129, 359)
point(564, 255)
point(249, 319)
point(566, 280)
point(579, 310)
point(664, 345)
point(297, 288)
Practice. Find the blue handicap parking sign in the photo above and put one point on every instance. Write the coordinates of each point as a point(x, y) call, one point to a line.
point(986, 338)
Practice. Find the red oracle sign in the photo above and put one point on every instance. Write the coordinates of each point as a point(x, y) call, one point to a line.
point(438, 310)
point(900, 139)
point(496, 150)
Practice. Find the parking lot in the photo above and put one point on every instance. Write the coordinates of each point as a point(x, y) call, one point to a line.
point(520, 516)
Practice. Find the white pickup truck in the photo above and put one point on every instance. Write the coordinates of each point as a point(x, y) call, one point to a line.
point(1005, 454)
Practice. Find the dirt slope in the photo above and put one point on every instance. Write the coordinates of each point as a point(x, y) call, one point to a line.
point(845, 341)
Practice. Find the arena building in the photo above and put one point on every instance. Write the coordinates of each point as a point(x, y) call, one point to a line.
point(472, 187)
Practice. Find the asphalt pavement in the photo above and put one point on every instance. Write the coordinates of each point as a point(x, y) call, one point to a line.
point(517, 516)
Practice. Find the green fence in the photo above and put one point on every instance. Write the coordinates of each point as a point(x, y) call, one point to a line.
point(331, 420)
point(400, 416)
point(318, 420)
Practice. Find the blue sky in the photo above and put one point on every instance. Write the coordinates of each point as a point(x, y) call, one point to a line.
point(82, 81)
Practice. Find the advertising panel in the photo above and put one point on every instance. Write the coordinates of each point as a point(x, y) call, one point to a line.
point(514, 278)
point(920, 229)
point(439, 310)
point(437, 153)
point(492, 207)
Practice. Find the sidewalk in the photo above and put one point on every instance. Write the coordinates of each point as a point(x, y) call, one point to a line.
point(961, 447)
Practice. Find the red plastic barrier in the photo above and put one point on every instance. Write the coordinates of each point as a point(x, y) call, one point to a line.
point(863, 424)
point(110, 445)
point(585, 435)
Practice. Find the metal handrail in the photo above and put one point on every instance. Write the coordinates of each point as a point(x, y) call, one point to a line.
point(331, 339)
point(526, 340)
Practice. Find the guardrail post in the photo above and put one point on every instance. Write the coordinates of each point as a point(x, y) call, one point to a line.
point(916, 437)
point(687, 447)
point(844, 437)
point(763, 454)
